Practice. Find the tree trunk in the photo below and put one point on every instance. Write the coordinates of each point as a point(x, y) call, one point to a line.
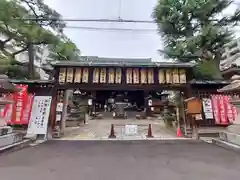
point(31, 60)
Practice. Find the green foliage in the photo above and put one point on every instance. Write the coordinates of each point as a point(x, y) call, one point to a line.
point(64, 50)
point(25, 22)
point(192, 29)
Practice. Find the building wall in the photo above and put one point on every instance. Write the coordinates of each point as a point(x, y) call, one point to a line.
point(231, 55)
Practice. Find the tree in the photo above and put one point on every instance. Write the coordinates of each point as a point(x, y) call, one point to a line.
point(193, 30)
point(22, 27)
point(65, 49)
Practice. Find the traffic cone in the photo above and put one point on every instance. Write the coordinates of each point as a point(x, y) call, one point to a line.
point(149, 135)
point(179, 132)
point(112, 132)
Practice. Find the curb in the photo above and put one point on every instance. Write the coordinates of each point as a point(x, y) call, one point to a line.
point(16, 146)
point(226, 145)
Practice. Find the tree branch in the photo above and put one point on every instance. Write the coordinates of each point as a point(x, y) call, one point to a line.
point(20, 51)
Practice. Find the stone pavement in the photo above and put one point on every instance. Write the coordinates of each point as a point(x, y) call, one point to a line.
point(100, 130)
point(120, 160)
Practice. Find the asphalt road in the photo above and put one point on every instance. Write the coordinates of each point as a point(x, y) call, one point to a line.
point(120, 160)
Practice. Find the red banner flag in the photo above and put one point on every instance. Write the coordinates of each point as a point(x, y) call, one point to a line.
point(20, 101)
point(223, 113)
point(228, 108)
point(215, 109)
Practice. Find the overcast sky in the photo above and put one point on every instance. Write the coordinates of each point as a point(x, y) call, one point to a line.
point(109, 43)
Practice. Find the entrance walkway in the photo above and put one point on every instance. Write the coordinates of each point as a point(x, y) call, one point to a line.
point(100, 130)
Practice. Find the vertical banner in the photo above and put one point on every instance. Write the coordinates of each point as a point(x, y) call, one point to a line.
point(27, 109)
point(69, 75)
point(95, 75)
point(6, 113)
point(228, 108)
point(136, 76)
point(103, 75)
point(207, 108)
point(223, 113)
point(215, 107)
point(129, 76)
point(78, 75)
point(85, 75)
point(62, 75)
point(20, 101)
point(182, 76)
point(111, 77)
point(175, 76)
point(150, 74)
point(161, 76)
point(168, 76)
point(118, 76)
point(143, 74)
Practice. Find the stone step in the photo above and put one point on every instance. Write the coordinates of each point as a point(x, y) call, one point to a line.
point(229, 137)
point(226, 145)
point(5, 130)
point(11, 138)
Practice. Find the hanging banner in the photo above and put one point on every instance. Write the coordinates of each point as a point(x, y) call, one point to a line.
point(85, 75)
point(69, 75)
point(95, 75)
point(235, 112)
point(103, 75)
point(6, 112)
point(118, 76)
point(111, 73)
point(150, 74)
point(215, 107)
point(78, 75)
point(207, 108)
point(182, 76)
point(175, 76)
point(136, 76)
point(228, 108)
point(143, 74)
point(27, 110)
point(161, 76)
point(62, 75)
point(129, 76)
point(222, 110)
point(20, 101)
point(168, 76)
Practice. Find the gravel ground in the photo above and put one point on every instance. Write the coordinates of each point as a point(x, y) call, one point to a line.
point(120, 160)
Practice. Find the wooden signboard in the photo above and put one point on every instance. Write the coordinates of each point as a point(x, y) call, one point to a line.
point(129, 76)
point(118, 77)
point(136, 76)
point(111, 73)
point(194, 105)
point(95, 75)
point(150, 76)
point(175, 76)
point(85, 75)
point(103, 75)
point(182, 76)
point(78, 75)
point(69, 75)
point(161, 76)
point(143, 74)
point(62, 75)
